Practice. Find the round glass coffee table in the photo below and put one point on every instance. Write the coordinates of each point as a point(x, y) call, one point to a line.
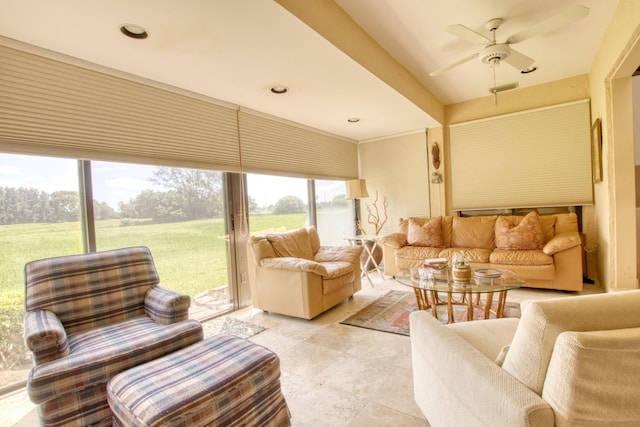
point(484, 282)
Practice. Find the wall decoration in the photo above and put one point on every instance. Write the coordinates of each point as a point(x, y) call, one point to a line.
point(435, 155)
point(596, 150)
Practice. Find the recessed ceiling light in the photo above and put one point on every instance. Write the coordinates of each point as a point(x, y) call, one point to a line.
point(134, 31)
point(529, 70)
point(353, 120)
point(279, 89)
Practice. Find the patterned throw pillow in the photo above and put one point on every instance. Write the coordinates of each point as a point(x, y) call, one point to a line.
point(429, 234)
point(527, 235)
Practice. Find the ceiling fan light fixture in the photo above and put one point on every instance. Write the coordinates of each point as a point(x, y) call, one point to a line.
point(494, 53)
point(528, 70)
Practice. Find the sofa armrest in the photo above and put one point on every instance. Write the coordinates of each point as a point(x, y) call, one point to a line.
point(294, 264)
point(395, 240)
point(562, 242)
point(45, 336)
point(165, 307)
point(455, 384)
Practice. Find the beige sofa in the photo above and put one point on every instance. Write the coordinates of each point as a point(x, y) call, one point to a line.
point(571, 361)
point(551, 258)
point(291, 273)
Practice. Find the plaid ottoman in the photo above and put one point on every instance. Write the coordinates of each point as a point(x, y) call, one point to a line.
point(221, 381)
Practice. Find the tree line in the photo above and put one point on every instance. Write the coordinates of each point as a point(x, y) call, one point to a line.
point(189, 195)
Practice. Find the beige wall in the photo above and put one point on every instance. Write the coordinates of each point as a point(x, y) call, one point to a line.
point(396, 168)
point(611, 99)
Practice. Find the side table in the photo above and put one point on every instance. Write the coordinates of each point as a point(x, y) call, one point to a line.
point(369, 242)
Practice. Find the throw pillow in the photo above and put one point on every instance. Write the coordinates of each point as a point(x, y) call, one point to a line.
point(429, 234)
point(527, 235)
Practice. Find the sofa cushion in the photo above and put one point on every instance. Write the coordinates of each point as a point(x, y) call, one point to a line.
point(542, 321)
point(566, 222)
point(96, 355)
point(525, 235)
point(428, 234)
point(473, 232)
point(261, 248)
point(417, 253)
point(295, 243)
point(584, 388)
point(476, 255)
point(314, 239)
point(514, 257)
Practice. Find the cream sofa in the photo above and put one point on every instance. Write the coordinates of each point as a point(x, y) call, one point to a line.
point(553, 259)
point(571, 361)
point(291, 273)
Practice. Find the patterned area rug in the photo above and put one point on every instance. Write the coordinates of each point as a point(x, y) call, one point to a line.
point(230, 325)
point(390, 313)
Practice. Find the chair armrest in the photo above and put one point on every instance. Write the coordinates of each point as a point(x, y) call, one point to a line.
point(562, 242)
point(45, 336)
point(455, 384)
point(294, 264)
point(395, 240)
point(349, 254)
point(165, 307)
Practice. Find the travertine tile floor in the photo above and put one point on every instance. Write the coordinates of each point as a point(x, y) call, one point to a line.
point(332, 375)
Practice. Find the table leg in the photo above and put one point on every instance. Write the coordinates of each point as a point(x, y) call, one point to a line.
point(502, 297)
point(469, 306)
point(487, 305)
point(422, 299)
point(434, 303)
point(450, 307)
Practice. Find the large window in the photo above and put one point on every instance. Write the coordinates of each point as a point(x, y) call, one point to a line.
point(39, 218)
point(277, 203)
point(334, 213)
point(180, 215)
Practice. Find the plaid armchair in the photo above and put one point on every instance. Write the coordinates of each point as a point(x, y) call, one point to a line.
point(90, 317)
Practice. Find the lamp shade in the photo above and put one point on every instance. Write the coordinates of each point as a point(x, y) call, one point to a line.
point(356, 189)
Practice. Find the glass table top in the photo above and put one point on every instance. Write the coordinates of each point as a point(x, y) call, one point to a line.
point(482, 281)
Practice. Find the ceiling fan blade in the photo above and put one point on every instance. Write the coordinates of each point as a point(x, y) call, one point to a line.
point(551, 24)
point(455, 64)
point(518, 60)
point(468, 34)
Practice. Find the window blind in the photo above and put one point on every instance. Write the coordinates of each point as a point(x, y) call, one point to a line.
point(269, 145)
point(50, 107)
point(535, 158)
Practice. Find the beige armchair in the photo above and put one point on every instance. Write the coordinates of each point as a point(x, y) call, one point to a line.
point(291, 273)
point(572, 361)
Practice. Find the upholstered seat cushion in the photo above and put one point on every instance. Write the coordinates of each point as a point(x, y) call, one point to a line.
point(96, 355)
point(520, 257)
point(221, 381)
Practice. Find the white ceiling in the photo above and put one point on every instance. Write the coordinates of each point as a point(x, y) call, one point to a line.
point(235, 50)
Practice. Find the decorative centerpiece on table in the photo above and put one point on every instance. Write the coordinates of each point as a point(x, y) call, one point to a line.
point(461, 267)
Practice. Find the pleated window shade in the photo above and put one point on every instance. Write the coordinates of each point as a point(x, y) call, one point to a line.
point(50, 107)
point(273, 146)
point(535, 158)
point(53, 108)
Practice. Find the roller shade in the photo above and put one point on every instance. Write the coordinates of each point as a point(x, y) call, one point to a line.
point(535, 158)
point(49, 107)
point(274, 146)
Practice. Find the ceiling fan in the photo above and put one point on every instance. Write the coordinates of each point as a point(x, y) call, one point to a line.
point(493, 53)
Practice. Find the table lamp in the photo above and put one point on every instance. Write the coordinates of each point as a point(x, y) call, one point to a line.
point(356, 190)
